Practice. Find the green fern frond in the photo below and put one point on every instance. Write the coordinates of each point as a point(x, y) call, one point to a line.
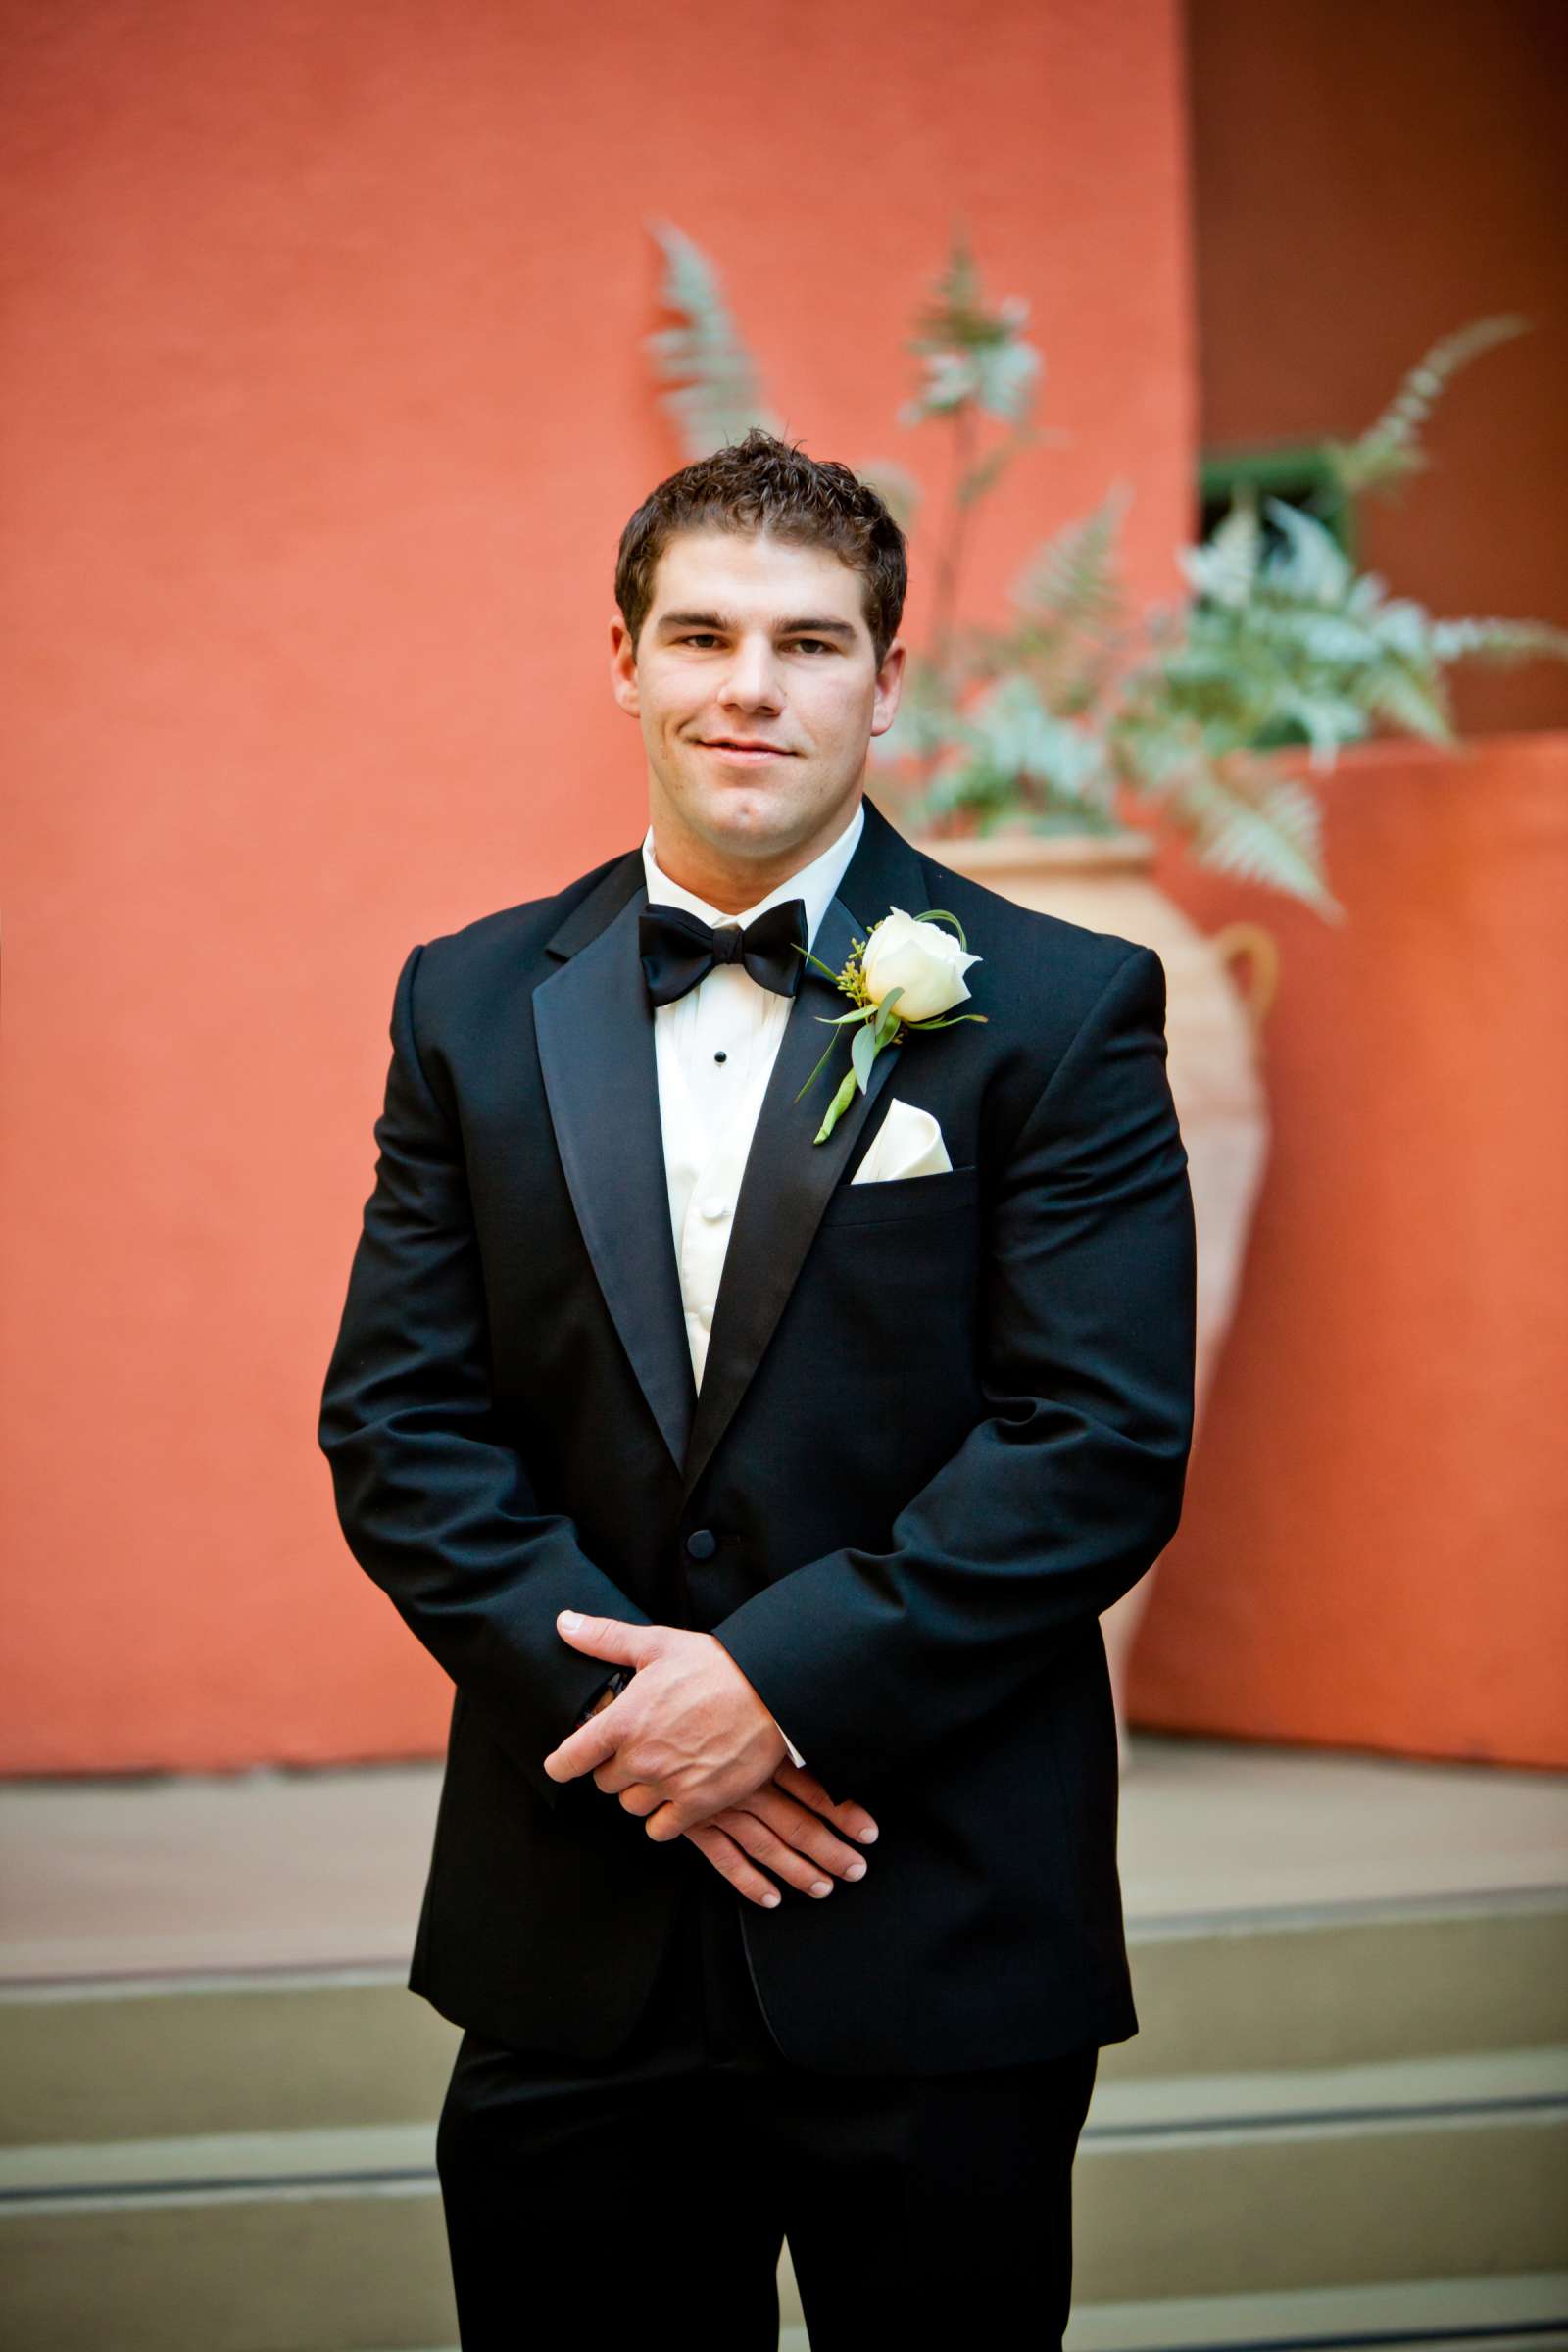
point(1500, 641)
point(715, 395)
point(1412, 698)
point(1244, 819)
point(969, 351)
point(1011, 756)
point(1390, 450)
point(1013, 732)
point(1070, 582)
point(1306, 561)
point(1071, 616)
point(1225, 567)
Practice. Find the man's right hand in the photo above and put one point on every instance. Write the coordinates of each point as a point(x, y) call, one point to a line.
point(784, 1824)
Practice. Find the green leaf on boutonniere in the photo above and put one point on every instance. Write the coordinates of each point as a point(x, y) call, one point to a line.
point(879, 1028)
point(862, 1052)
point(862, 1012)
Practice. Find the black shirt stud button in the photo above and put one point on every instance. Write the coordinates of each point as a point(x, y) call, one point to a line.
point(721, 1056)
point(702, 1544)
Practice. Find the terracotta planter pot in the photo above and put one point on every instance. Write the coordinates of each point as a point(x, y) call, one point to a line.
point(1213, 1029)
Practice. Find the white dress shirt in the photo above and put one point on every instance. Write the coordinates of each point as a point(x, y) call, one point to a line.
point(715, 1048)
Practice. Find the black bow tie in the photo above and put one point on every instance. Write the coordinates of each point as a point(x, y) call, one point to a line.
point(678, 949)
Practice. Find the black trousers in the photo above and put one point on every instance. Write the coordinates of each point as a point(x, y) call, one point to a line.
point(654, 2190)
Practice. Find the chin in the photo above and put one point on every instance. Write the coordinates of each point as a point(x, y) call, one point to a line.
point(746, 817)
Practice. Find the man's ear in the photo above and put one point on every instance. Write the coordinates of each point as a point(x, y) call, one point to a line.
point(889, 687)
point(623, 667)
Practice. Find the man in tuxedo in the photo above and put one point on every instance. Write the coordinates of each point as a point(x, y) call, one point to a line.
point(760, 1494)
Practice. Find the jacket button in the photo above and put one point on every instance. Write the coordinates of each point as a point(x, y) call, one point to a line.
point(702, 1544)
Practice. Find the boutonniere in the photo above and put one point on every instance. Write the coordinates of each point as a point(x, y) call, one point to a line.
point(905, 974)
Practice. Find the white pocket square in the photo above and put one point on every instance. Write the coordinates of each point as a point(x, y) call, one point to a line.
point(909, 1143)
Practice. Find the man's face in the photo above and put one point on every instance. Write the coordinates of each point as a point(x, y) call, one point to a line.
point(757, 688)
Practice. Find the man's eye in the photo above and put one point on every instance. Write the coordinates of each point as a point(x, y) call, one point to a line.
point(820, 644)
point(700, 637)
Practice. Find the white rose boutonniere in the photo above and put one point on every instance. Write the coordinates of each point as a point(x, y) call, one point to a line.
point(906, 974)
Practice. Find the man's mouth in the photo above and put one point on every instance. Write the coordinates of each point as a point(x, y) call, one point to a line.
point(743, 747)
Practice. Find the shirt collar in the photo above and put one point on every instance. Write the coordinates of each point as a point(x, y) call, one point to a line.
point(815, 883)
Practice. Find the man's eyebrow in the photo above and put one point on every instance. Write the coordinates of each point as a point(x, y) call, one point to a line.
point(723, 622)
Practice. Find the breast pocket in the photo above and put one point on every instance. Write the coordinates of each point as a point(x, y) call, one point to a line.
point(896, 1279)
point(902, 1200)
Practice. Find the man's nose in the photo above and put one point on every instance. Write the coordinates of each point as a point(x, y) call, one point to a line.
point(752, 680)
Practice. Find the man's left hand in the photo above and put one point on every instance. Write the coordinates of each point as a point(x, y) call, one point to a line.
point(688, 1737)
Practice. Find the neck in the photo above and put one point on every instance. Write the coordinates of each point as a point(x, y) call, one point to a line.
point(725, 881)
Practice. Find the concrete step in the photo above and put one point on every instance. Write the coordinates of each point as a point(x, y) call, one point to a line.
point(1493, 2089)
point(1340, 1983)
point(107, 2058)
point(173, 2057)
point(291, 1868)
point(1242, 2185)
point(1527, 2314)
point(297, 2262)
point(1499, 2313)
point(1228, 2185)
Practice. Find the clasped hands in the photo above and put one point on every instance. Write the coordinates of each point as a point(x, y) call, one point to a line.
point(690, 1747)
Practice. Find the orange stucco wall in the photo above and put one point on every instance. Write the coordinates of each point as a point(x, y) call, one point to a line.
point(1373, 1547)
point(326, 401)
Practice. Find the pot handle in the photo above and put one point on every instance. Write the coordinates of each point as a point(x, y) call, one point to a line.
point(1251, 944)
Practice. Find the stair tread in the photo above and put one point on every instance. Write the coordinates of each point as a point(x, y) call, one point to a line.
point(1395, 2089)
point(1336, 2315)
point(1342, 2316)
point(1436, 2092)
point(227, 1870)
point(358, 2154)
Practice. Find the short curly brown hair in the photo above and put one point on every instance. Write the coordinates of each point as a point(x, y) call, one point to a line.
point(758, 484)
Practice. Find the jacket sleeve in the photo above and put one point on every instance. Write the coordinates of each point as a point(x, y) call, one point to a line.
point(436, 1507)
point(1056, 1502)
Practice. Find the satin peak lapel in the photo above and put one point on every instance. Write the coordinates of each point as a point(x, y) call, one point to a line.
point(595, 1032)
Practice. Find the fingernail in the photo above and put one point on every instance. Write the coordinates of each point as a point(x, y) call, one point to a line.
point(855, 1869)
point(867, 1837)
point(570, 1619)
point(770, 1902)
point(820, 1886)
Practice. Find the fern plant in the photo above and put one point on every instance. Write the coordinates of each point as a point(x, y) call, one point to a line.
point(1076, 712)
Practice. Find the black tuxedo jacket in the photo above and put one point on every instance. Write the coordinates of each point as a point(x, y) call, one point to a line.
point(943, 1423)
